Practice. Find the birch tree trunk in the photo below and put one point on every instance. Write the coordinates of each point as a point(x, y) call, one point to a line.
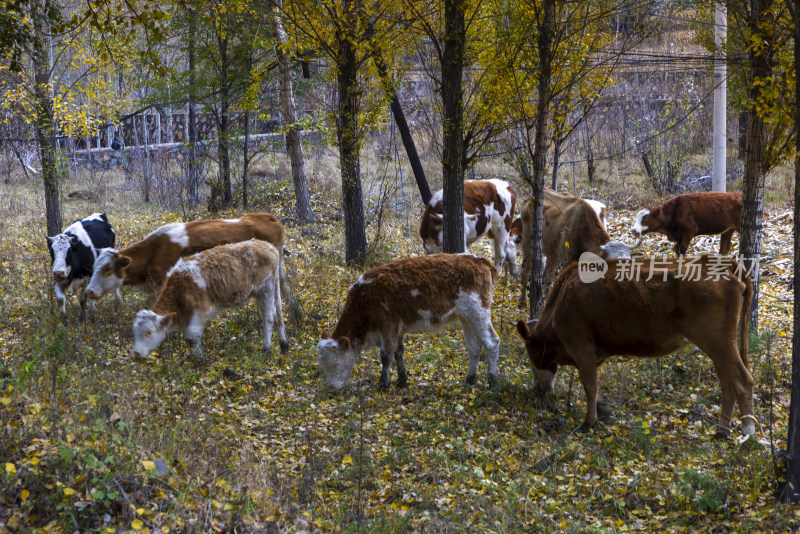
point(289, 109)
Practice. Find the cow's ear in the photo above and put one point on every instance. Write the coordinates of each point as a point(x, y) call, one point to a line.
point(49, 240)
point(326, 334)
point(74, 239)
point(168, 320)
point(344, 343)
point(123, 262)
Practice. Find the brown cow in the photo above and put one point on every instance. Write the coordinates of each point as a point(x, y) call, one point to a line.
point(646, 307)
point(572, 226)
point(685, 216)
point(151, 258)
point(221, 277)
point(421, 294)
point(488, 210)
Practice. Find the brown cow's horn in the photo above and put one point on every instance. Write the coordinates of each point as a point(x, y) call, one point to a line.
point(631, 247)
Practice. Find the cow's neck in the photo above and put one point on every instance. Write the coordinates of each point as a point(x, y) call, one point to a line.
point(141, 255)
point(354, 328)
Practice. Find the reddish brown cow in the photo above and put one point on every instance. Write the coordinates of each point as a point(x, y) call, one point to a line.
point(421, 294)
point(488, 210)
point(685, 216)
point(151, 258)
point(646, 307)
point(572, 226)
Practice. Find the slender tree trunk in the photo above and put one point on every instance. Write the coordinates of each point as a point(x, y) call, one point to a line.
point(556, 161)
point(791, 489)
point(45, 122)
point(400, 120)
point(245, 158)
point(224, 125)
point(293, 145)
point(349, 141)
point(453, 239)
point(192, 180)
point(540, 142)
point(754, 159)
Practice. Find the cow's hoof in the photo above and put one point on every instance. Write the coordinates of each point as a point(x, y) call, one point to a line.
point(284, 346)
point(604, 413)
point(383, 386)
point(585, 427)
point(266, 349)
point(471, 380)
point(402, 383)
point(722, 434)
point(493, 381)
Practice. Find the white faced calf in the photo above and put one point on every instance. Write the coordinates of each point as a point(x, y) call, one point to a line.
point(421, 294)
point(222, 277)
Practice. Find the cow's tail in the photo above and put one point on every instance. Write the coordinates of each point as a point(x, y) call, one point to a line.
point(744, 320)
point(295, 313)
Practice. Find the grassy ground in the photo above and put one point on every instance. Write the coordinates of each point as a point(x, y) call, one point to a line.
point(92, 441)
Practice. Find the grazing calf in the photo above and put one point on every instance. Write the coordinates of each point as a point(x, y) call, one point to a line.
point(572, 226)
point(685, 216)
point(420, 294)
point(647, 311)
point(150, 259)
point(73, 254)
point(488, 210)
point(222, 277)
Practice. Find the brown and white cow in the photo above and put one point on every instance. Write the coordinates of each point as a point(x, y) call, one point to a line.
point(221, 277)
point(572, 226)
point(421, 294)
point(646, 307)
point(488, 210)
point(685, 216)
point(150, 259)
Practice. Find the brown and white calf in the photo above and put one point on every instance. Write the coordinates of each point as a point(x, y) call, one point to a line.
point(421, 294)
point(488, 210)
point(647, 307)
point(685, 216)
point(221, 277)
point(149, 260)
point(572, 226)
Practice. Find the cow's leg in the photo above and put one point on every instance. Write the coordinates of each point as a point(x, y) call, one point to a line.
point(473, 351)
point(725, 242)
point(82, 300)
point(278, 288)
point(583, 353)
point(388, 350)
point(491, 346)
point(735, 380)
point(194, 331)
point(266, 306)
point(402, 376)
point(524, 278)
point(500, 235)
point(61, 298)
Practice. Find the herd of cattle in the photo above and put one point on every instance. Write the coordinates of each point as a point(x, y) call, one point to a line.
point(202, 265)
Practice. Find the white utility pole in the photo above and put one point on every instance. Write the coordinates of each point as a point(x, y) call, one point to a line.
point(720, 136)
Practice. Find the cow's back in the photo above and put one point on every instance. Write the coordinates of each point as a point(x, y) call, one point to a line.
point(100, 232)
point(394, 293)
point(233, 272)
point(711, 212)
point(639, 316)
point(206, 234)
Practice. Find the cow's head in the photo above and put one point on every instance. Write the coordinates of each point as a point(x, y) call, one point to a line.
point(642, 224)
point(337, 357)
point(61, 251)
point(108, 274)
point(543, 361)
point(431, 232)
point(149, 330)
point(618, 249)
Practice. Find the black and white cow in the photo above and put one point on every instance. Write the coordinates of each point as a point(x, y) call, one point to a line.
point(73, 254)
